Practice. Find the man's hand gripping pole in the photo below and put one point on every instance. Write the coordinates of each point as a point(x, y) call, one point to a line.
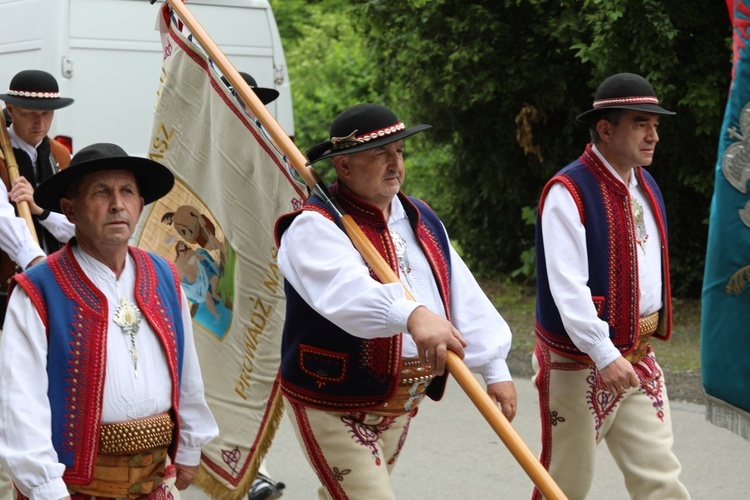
point(10, 163)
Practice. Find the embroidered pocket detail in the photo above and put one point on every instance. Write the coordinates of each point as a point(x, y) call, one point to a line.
point(324, 366)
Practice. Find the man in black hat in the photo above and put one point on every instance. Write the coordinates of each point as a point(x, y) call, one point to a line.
point(31, 102)
point(266, 95)
point(358, 356)
point(602, 293)
point(102, 391)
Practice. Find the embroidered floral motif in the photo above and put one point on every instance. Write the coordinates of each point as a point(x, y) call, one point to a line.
point(365, 434)
point(554, 418)
point(648, 373)
point(601, 401)
point(338, 474)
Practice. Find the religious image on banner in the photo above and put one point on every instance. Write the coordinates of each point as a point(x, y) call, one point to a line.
point(725, 334)
point(216, 225)
point(201, 253)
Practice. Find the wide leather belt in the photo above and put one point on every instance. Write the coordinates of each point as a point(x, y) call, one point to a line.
point(136, 436)
point(412, 385)
point(648, 324)
point(121, 476)
point(131, 459)
point(647, 327)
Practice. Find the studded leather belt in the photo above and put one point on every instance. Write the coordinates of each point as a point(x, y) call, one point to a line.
point(131, 459)
point(647, 327)
point(413, 382)
point(136, 436)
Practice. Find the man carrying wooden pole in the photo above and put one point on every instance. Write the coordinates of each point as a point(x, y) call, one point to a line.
point(497, 420)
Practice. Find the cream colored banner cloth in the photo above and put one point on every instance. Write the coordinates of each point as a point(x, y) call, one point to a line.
point(216, 225)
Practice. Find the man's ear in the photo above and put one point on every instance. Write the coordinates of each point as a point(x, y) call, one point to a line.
point(341, 164)
point(66, 206)
point(604, 129)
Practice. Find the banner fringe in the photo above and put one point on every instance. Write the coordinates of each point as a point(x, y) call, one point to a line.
point(726, 416)
point(217, 490)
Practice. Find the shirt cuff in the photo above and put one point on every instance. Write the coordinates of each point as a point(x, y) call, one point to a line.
point(495, 371)
point(27, 254)
point(188, 455)
point(53, 489)
point(604, 354)
point(398, 315)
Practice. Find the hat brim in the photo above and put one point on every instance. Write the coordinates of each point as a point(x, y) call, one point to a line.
point(154, 179)
point(37, 103)
point(266, 95)
point(593, 115)
point(380, 141)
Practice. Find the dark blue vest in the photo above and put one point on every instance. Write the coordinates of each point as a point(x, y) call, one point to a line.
point(604, 207)
point(322, 365)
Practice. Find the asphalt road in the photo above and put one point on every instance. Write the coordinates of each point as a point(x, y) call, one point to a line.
point(452, 453)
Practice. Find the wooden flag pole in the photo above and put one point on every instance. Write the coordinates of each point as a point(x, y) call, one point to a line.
point(10, 162)
point(455, 364)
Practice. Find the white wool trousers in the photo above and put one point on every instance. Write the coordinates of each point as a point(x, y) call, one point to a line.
point(578, 413)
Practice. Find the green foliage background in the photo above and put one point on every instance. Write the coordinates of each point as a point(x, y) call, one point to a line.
point(501, 81)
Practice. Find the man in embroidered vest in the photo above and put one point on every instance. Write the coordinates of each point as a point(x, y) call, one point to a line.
point(31, 102)
point(602, 293)
point(102, 393)
point(357, 355)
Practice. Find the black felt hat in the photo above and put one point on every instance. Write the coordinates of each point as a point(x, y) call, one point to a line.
point(266, 95)
point(362, 127)
point(623, 91)
point(34, 89)
point(154, 179)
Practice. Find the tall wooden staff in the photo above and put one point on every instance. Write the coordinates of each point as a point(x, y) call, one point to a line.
point(456, 366)
point(13, 174)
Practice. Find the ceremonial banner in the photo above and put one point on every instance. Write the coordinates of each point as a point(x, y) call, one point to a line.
point(216, 225)
point(725, 323)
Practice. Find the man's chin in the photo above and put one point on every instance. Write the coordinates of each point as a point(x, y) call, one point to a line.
point(117, 235)
point(392, 187)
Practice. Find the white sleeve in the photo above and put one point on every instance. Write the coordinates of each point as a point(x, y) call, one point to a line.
point(320, 262)
point(15, 237)
point(487, 334)
point(59, 226)
point(197, 424)
point(567, 268)
point(26, 450)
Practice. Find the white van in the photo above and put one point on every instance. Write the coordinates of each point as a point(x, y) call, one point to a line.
point(107, 55)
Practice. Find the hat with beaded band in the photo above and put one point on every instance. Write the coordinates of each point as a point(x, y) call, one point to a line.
point(623, 91)
point(35, 89)
point(359, 128)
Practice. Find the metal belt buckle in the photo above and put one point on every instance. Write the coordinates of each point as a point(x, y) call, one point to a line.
point(414, 395)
